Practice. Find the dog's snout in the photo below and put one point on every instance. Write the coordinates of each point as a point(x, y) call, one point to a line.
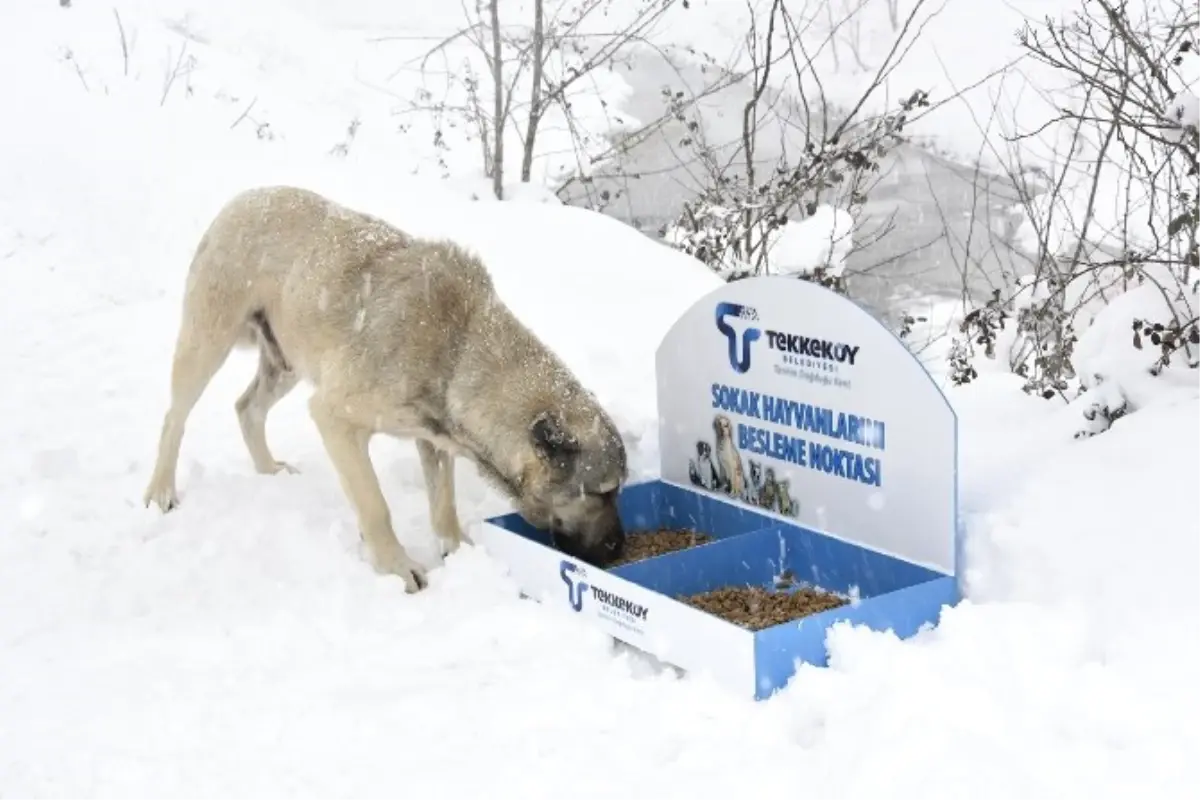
point(598, 550)
point(614, 545)
point(600, 554)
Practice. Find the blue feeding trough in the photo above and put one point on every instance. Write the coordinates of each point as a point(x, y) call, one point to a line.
point(806, 440)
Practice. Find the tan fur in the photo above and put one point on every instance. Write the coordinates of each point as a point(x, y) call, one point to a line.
point(728, 459)
point(399, 336)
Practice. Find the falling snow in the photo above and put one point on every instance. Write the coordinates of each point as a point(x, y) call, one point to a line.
point(241, 646)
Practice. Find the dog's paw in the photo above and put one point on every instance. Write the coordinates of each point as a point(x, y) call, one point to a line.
point(450, 544)
point(162, 496)
point(399, 564)
point(414, 578)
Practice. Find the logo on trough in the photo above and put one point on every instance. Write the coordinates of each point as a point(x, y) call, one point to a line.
point(575, 588)
point(740, 361)
point(612, 605)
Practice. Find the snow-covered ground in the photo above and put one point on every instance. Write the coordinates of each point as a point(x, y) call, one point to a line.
point(241, 646)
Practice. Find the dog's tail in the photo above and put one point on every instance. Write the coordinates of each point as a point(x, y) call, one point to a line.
point(259, 333)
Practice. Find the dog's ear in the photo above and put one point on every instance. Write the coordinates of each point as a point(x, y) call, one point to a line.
point(551, 437)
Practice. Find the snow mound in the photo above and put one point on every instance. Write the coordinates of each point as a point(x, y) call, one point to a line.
point(821, 240)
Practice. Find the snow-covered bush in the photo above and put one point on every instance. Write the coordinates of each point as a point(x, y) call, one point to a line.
point(1108, 221)
point(814, 248)
point(800, 218)
point(799, 215)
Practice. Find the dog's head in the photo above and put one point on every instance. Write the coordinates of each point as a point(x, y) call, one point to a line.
point(770, 475)
point(571, 487)
point(703, 449)
point(723, 428)
point(755, 472)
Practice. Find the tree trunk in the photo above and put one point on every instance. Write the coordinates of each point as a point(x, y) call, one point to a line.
point(497, 104)
point(535, 99)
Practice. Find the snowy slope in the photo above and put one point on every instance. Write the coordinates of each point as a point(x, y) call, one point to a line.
point(242, 647)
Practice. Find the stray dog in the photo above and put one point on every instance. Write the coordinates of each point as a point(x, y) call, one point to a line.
point(400, 336)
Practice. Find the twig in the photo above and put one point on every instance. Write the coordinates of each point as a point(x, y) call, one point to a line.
point(244, 114)
point(124, 43)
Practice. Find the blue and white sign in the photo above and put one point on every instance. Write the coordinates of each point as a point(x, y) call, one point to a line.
point(791, 399)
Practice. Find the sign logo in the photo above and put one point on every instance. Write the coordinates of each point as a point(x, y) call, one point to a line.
point(810, 358)
point(576, 589)
point(740, 361)
point(610, 605)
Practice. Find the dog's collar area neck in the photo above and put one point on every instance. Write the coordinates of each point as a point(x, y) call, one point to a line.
point(481, 454)
point(508, 485)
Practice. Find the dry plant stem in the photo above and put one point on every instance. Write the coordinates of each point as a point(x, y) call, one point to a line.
point(749, 115)
point(244, 114)
point(173, 74)
point(124, 44)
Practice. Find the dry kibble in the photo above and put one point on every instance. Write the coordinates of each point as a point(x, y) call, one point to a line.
point(756, 608)
point(641, 545)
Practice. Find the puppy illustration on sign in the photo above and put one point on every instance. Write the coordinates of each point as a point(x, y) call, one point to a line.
point(701, 469)
point(729, 460)
point(718, 467)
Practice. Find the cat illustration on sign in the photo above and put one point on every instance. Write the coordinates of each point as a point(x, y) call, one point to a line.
point(718, 468)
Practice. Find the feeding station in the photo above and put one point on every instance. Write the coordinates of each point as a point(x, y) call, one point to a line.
point(812, 462)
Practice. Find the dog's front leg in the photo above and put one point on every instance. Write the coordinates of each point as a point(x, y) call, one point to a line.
point(347, 445)
point(438, 466)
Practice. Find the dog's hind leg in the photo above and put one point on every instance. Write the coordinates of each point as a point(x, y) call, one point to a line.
point(347, 446)
point(438, 466)
point(275, 378)
point(199, 353)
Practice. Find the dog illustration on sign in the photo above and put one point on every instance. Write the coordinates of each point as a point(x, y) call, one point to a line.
point(701, 469)
point(718, 467)
point(729, 460)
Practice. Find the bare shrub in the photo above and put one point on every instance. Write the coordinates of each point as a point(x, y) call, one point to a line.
point(738, 220)
point(1114, 210)
point(534, 69)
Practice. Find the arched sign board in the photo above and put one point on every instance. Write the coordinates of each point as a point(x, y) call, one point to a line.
point(782, 395)
point(805, 439)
